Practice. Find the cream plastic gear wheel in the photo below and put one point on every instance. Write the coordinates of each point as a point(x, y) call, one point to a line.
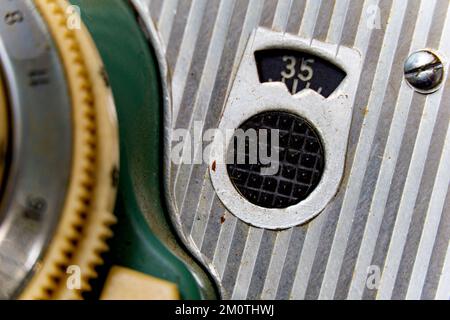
point(84, 226)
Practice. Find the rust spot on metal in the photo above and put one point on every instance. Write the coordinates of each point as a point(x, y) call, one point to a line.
point(365, 111)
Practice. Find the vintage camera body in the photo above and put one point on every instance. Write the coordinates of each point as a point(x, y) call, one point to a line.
point(348, 98)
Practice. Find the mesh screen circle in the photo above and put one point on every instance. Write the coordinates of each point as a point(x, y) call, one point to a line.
point(300, 160)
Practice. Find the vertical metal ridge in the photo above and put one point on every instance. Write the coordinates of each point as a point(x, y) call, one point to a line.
point(396, 188)
point(280, 19)
point(193, 73)
point(439, 17)
point(277, 260)
point(234, 260)
point(252, 18)
point(322, 25)
point(308, 253)
point(369, 43)
point(429, 175)
point(195, 214)
point(423, 200)
point(268, 13)
point(227, 231)
point(386, 171)
point(262, 263)
point(204, 18)
point(359, 112)
point(247, 264)
point(436, 268)
point(211, 225)
point(314, 230)
point(354, 15)
point(295, 16)
point(337, 21)
point(287, 273)
point(309, 19)
point(155, 9)
point(205, 88)
point(197, 227)
point(224, 243)
point(179, 27)
point(190, 215)
point(168, 12)
point(431, 224)
point(186, 53)
point(212, 230)
point(250, 22)
point(410, 190)
point(364, 147)
point(397, 94)
point(443, 290)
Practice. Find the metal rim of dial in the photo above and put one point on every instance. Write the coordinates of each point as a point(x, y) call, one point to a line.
point(40, 121)
point(71, 221)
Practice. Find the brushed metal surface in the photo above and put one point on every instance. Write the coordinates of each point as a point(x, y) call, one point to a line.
point(392, 211)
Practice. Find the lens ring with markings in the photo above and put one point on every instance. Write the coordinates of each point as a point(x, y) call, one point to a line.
point(300, 164)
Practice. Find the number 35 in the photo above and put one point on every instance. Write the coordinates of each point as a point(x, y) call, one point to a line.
point(306, 71)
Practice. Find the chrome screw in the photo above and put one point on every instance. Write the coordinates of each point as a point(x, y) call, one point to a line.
point(424, 71)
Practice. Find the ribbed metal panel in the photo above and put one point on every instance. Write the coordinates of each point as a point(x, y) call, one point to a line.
point(393, 207)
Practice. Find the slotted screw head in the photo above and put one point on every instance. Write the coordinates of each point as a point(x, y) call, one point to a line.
point(424, 71)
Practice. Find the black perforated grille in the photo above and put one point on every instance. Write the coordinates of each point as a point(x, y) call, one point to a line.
point(301, 162)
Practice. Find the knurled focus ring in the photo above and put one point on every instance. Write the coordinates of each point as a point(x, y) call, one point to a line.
point(300, 162)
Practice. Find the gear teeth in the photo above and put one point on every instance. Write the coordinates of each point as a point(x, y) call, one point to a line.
point(84, 228)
